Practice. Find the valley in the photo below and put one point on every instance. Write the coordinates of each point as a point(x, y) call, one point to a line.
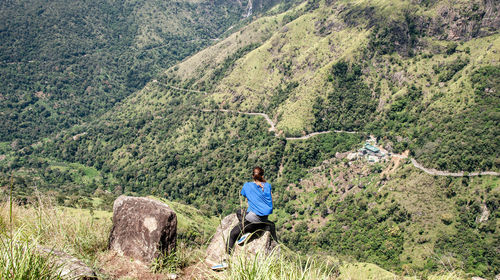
point(297, 87)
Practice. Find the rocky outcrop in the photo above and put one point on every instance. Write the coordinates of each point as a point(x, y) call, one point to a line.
point(260, 243)
point(69, 266)
point(485, 214)
point(491, 19)
point(142, 228)
point(465, 23)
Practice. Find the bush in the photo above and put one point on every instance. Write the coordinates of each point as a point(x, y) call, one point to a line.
point(451, 48)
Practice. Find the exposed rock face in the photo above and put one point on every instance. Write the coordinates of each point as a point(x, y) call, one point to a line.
point(216, 251)
point(464, 24)
point(485, 214)
point(142, 228)
point(70, 267)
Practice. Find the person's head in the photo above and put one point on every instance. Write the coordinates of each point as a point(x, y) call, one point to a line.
point(258, 174)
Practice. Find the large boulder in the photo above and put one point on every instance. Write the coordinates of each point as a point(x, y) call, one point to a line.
point(69, 267)
point(142, 228)
point(260, 243)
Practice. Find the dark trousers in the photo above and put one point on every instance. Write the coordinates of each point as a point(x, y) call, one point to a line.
point(245, 226)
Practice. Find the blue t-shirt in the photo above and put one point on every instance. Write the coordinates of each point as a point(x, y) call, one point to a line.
point(260, 202)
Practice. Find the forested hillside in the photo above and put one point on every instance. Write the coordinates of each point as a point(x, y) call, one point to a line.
point(420, 76)
point(424, 77)
point(65, 62)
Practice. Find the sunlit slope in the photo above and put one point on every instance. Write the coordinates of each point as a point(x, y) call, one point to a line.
point(296, 54)
point(407, 74)
point(198, 70)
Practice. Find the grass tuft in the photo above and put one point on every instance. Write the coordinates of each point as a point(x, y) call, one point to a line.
point(279, 266)
point(20, 260)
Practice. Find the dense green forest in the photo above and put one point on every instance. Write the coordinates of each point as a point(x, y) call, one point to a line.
point(63, 62)
point(350, 105)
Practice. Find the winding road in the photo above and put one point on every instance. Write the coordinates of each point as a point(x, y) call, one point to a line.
point(436, 172)
point(183, 89)
point(272, 125)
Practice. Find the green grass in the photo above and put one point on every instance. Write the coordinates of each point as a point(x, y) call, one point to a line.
point(278, 266)
point(81, 233)
point(19, 259)
point(367, 271)
point(19, 256)
point(84, 234)
point(287, 265)
point(80, 173)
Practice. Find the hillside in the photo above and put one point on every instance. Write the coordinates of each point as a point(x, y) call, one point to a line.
point(412, 76)
point(63, 63)
point(420, 76)
point(83, 234)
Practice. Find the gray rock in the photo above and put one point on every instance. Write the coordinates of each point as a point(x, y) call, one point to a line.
point(69, 266)
point(142, 228)
point(216, 251)
point(485, 214)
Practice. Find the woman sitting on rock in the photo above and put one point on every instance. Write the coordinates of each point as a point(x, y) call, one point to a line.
point(260, 205)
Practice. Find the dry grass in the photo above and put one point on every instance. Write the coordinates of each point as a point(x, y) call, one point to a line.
point(78, 232)
point(278, 266)
point(19, 259)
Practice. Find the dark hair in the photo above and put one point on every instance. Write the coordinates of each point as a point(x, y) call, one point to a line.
point(258, 174)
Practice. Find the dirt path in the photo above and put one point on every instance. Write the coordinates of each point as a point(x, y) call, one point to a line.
point(269, 121)
point(272, 125)
point(183, 89)
point(435, 172)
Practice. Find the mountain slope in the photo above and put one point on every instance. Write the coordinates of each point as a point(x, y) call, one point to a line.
point(63, 63)
point(348, 66)
point(421, 76)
